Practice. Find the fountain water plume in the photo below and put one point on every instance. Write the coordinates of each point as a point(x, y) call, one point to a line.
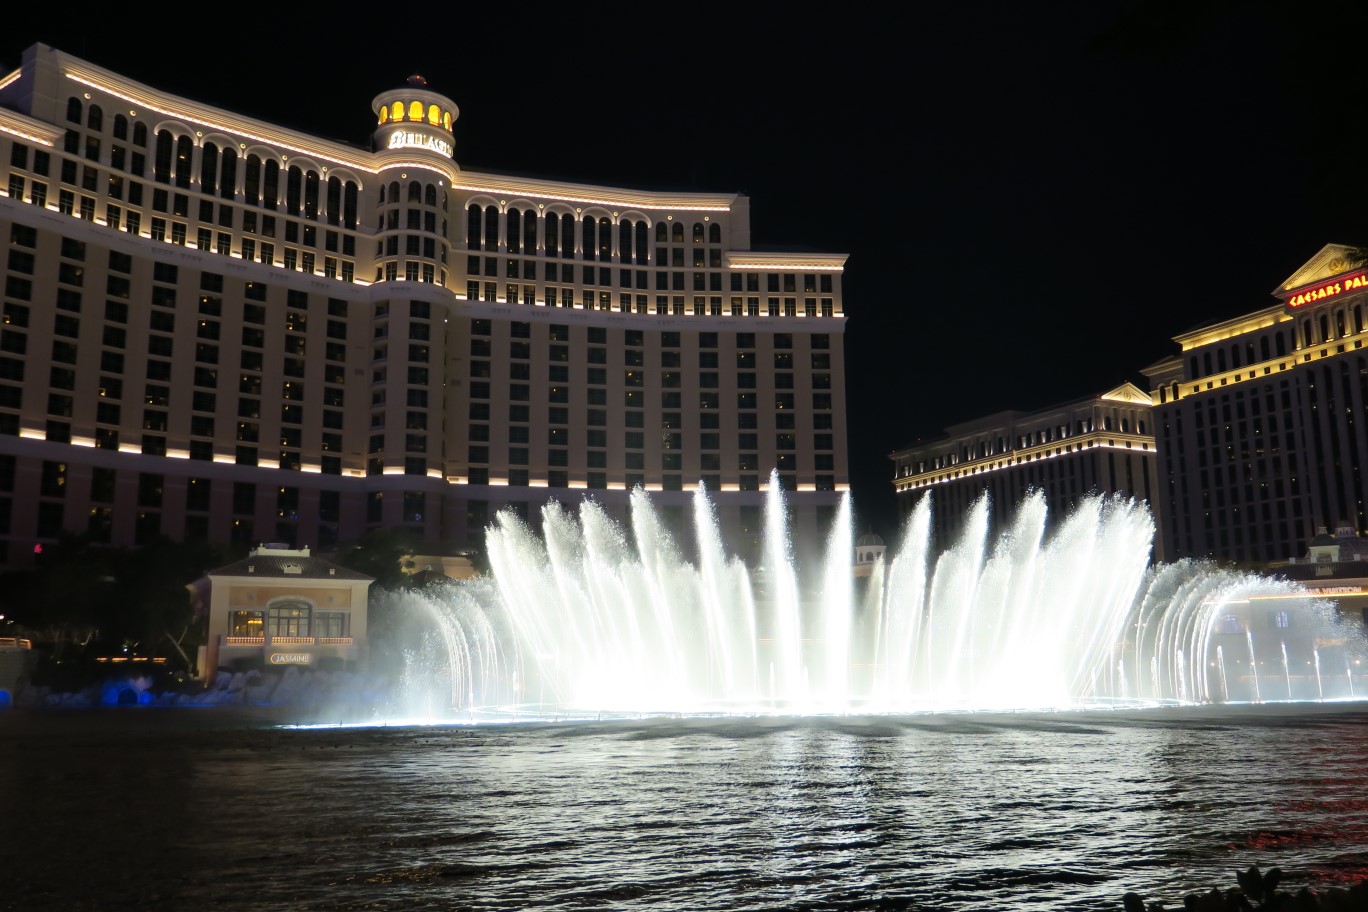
point(586, 617)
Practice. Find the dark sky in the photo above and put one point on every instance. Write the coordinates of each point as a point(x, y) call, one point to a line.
point(1035, 197)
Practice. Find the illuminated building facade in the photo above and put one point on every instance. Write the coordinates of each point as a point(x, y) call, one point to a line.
point(1103, 444)
point(217, 328)
point(279, 607)
point(1260, 421)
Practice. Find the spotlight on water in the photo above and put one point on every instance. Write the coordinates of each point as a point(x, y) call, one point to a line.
point(593, 620)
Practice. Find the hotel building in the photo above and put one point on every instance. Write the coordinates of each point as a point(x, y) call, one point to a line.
point(1260, 421)
point(1102, 444)
point(218, 328)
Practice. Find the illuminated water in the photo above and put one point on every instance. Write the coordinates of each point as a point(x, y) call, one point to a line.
point(176, 809)
point(589, 617)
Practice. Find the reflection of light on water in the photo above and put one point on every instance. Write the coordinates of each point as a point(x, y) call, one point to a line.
point(589, 618)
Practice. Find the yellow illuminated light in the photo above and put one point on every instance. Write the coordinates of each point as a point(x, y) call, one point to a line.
point(415, 110)
point(397, 111)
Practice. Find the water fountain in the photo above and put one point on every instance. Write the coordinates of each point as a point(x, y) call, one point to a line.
point(591, 618)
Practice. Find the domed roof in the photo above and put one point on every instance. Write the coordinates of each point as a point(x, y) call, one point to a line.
point(868, 538)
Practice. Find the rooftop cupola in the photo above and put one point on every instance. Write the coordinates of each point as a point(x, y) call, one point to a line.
point(415, 119)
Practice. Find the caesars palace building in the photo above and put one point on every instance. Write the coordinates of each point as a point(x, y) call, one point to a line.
point(220, 329)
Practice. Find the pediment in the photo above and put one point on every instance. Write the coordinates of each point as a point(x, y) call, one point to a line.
point(1332, 260)
point(1127, 392)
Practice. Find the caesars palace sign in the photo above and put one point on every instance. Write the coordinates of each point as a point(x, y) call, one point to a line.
point(1353, 282)
point(407, 139)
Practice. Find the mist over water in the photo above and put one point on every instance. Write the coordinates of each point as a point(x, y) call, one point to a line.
point(590, 618)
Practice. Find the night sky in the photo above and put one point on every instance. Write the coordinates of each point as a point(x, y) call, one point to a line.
point(1035, 197)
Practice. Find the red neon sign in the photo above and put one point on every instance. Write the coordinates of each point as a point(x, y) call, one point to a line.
point(1351, 282)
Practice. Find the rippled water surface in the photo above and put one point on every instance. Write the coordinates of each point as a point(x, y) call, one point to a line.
point(217, 808)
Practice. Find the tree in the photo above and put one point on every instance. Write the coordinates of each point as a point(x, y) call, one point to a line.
point(385, 555)
point(81, 593)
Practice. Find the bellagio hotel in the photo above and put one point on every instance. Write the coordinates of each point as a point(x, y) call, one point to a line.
point(218, 328)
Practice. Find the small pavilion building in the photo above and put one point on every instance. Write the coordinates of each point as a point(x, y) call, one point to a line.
point(280, 606)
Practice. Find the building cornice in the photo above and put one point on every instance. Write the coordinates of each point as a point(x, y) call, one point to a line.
point(811, 262)
point(1229, 329)
point(1142, 444)
point(28, 129)
point(591, 195)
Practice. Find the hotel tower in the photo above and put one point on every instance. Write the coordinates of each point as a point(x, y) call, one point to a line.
point(222, 329)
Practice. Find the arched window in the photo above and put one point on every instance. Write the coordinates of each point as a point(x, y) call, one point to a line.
point(514, 231)
point(567, 236)
point(1234, 356)
point(349, 193)
point(228, 173)
point(430, 195)
point(397, 111)
point(140, 134)
point(311, 194)
point(1220, 359)
point(270, 184)
point(161, 159)
point(662, 233)
point(444, 201)
point(95, 118)
point(605, 239)
point(294, 185)
point(587, 242)
point(1324, 328)
point(625, 241)
point(714, 233)
point(290, 619)
point(491, 228)
point(185, 151)
point(1192, 366)
point(1306, 333)
point(474, 221)
point(698, 233)
point(120, 127)
point(415, 110)
point(74, 109)
point(642, 254)
point(552, 234)
point(209, 168)
point(446, 120)
point(1263, 348)
point(1280, 344)
point(394, 196)
point(1125, 425)
point(415, 192)
point(251, 180)
point(1206, 363)
point(1358, 318)
point(1339, 324)
point(677, 233)
point(434, 115)
point(384, 114)
point(1142, 423)
point(334, 200)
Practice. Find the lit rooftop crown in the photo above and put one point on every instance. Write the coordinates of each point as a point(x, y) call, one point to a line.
point(415, 118)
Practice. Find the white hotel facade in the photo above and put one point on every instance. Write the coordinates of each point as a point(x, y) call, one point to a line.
point(218, 328)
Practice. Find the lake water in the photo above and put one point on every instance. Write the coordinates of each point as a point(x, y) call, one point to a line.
point(186, 809)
